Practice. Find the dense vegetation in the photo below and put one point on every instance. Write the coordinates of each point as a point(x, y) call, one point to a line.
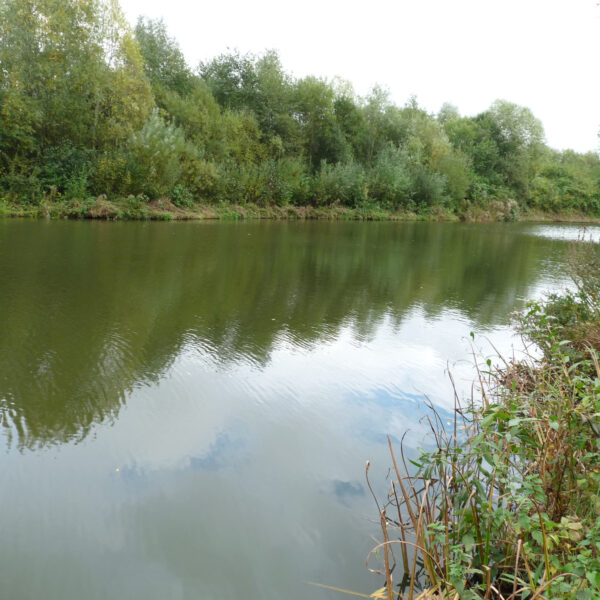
point(507, 505)
point(89, 108)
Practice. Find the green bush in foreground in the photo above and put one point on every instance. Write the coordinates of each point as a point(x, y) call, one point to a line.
point(508, 503)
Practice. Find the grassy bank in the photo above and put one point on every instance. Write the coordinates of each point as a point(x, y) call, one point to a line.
point(507, 504)
point(90, 107)
point(164, 209)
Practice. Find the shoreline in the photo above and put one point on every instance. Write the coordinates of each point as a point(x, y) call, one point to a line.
point(164, 210)
point(492, 508)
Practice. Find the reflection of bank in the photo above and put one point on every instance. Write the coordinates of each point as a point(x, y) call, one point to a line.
point(91, 311)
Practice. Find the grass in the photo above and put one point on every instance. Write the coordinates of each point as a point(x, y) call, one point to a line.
point(163, 209)
point(507, 504)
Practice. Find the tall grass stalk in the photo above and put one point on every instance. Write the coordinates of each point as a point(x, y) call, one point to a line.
point(507, 504)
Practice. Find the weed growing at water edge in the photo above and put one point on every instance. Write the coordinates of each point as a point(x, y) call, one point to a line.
point(507, 504)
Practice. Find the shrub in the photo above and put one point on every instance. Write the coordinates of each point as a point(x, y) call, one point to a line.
point(454, 166)
point(200, 176)
point(182, 196)
point(154, 157)
point(427, 188)
point(389, 179)
point(284, 182)
point(22, 186)
point(68, 170)
point(271, 182)
point(345, 183)
point(111, 176)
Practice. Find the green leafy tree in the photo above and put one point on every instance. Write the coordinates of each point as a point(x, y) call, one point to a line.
point(164, 63)
point(155, 154)
point(79, 89)
point(448, 112)
point(232, 79)
point(274, 106)
point(323, 137)
point(519, 137)
point(198, 115)
point(71, 71)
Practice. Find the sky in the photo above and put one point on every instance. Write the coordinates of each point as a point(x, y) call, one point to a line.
point(543, 54)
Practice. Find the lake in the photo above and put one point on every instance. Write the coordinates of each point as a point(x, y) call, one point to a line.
point(187, 408)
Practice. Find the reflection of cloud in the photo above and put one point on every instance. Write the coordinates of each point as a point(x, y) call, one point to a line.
point(346, 490)
point(567, 233)
point(384, 398)
point(367, 390)
point(219, 453)
point(258, 380)
point(397, 362)
point(82, 334)
point(400, 416)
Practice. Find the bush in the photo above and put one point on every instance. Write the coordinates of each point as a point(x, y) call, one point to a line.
point(345, 183)
point(389, 179)
point(68, 170)
point(22, 186)
point(427, 188)
point(154, 157)
point(454, 166)
point(200, 176)
point(271, 182)
point(182, 196)
point(555, 190)
point(111, 176)
point(285, 182)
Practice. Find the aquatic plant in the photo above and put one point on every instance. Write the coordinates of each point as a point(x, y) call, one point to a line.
point(506, 503)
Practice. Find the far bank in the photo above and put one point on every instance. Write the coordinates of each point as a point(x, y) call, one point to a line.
point(164, 209)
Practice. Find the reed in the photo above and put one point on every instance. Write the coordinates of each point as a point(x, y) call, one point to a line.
point(506, 504)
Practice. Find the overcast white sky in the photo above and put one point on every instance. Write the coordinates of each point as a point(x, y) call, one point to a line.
point(544, 54)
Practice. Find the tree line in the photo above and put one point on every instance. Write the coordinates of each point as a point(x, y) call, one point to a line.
point(89, 106)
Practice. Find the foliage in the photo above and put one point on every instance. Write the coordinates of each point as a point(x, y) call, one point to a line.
point(427, 187)
point(154, 157)
point(507, 505)
point(78, 97)
point(66, 170)
point(164, 63)
point(269, 183)
point(182, 196)
point(344, 183)
point(389, 179)
point(72, 72)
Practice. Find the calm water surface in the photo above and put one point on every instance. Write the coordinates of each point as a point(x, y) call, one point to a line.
point(187, 409)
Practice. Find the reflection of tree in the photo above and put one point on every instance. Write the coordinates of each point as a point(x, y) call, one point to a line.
point(89, 311)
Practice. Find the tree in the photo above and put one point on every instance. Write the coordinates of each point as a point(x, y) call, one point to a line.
point(323, 137)
point(164, 62)
point(448, 112)
point(232, 79)
point(71, 71)
point(515, 138)
point(274, 106)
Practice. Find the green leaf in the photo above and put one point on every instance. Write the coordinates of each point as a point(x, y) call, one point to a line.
point(538, 537)
point(594, 578)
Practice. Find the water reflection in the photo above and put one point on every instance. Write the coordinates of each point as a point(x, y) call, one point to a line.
point(188, 408)
point(568, 233)
point(91, 311)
